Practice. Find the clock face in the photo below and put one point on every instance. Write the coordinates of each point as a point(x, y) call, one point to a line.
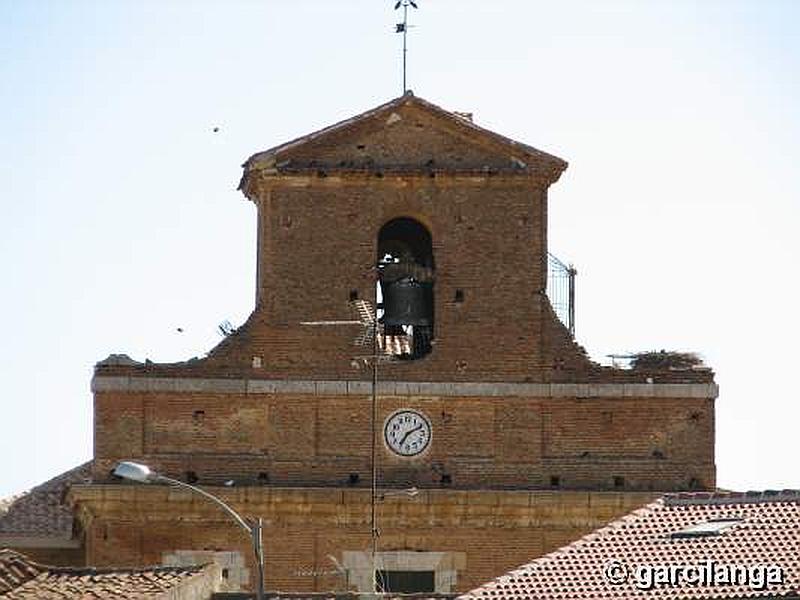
point(407, 432)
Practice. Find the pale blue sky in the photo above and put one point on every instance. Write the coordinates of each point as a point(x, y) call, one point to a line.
point(122, 222)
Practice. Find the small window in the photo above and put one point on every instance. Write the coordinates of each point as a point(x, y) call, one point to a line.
point(706, 529)
point(405, 582)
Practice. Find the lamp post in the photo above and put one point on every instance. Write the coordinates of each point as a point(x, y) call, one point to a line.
point(143, 474)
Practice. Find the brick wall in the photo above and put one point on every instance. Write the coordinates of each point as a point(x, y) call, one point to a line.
point(496, 530)
point(496, 442)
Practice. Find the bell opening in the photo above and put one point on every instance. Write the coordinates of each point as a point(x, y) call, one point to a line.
point(405, 288)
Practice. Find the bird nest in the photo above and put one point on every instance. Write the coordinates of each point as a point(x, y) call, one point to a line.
point(665, 360)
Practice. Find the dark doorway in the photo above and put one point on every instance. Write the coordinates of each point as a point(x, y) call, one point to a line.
point(405, 582)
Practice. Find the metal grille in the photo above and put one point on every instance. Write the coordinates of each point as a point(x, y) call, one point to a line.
point(561, 291)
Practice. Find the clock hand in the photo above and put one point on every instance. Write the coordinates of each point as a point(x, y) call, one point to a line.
point(409, 432)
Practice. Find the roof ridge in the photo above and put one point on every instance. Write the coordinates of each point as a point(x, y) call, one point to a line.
point(730, 497)
point(63, 570)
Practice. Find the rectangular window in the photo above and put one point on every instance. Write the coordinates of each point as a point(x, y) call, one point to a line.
point(405, 582)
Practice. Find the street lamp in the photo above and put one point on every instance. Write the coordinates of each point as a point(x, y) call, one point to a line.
point(143, 474)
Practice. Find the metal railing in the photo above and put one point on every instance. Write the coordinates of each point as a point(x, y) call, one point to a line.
point(561, 291)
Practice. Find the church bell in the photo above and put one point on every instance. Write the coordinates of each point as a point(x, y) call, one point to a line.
point(406, 301)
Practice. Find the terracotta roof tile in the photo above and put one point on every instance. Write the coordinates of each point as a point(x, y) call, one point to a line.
point(22, 579)
point(41, 512)
point(765, 531)
point(15, 569)
point(344, 596)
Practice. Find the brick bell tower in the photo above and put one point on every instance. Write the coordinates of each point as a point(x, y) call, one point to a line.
point(517, 442)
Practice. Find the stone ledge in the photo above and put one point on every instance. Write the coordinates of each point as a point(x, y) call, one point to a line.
point(106, 383)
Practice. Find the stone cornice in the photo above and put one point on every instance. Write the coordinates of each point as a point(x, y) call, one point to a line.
point(263, 180)
point(21, 540)
point(351, 507)
point(112, 383)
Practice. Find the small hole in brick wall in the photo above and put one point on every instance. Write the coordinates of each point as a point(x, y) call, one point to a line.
point(198, 415)
point(360, 146)
point(619, 481)
point(658, 453)
point(191, 477)
point(459, 297)
point(446, 479)
point(225, 573)
point(555, 481)
point(263, 477)
point(353, 295)
point(695, 416)
point(353, 479)
point(378, 174)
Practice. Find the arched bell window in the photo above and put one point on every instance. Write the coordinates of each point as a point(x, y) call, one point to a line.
point(405, 288)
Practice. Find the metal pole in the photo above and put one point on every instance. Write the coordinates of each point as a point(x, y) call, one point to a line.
point(373, 424)
point(572, 272)
point(258, 547)
point(405, 50)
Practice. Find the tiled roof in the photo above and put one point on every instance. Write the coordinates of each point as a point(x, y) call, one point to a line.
point(15, 569)
point(762, 530)
point(41, 512)
point(330, 596)
point(22, 579)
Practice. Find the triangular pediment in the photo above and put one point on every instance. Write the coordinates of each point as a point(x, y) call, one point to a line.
point(407, 134)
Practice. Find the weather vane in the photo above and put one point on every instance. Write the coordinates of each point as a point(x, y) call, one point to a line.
point(403, 28)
